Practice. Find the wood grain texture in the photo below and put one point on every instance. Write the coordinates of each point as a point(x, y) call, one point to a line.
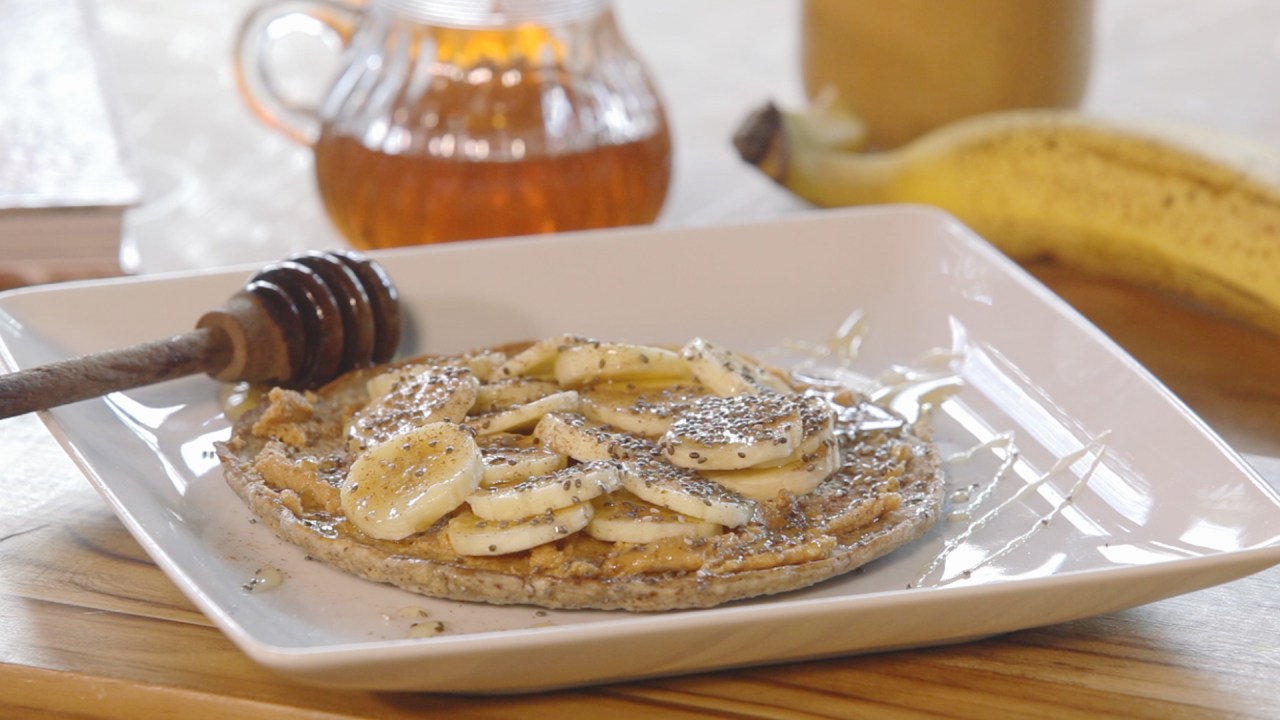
point(90, 376)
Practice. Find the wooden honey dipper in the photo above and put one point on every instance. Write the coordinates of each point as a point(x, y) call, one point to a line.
point(299, 323)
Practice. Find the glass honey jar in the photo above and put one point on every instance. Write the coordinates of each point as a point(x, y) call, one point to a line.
point(460, 119)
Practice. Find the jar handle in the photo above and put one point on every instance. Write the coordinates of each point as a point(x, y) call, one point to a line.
point(257, 84)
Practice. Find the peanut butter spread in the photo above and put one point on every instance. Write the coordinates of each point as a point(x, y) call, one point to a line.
point(780, 523)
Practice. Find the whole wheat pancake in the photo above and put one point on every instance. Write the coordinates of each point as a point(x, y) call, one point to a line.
point(289, 458)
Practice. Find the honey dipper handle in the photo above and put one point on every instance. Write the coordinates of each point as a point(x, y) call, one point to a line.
point(90, 376)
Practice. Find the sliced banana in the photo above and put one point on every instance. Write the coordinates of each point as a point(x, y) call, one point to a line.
point(379, 385)
point(403, 485)
point(420, 395)
point(819, 421)
point(800, 475)
point(643, 408)
point(540, 493)
point(483, 364)
point(584, 363)
point(623, 517)
point(470, 534)
point(584, 441)
point(731, 433)
point(667, 444)
point(684, 491)
point(524, 416)
point(508, 392)
point(509, 457)
point(727, 373)
point(539, 359)
point(817, 415)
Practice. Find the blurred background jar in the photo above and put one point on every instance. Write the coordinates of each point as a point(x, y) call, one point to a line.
point(461, 119)
point(908, 66)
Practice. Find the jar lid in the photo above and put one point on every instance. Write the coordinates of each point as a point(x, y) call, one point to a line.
point(494, 13)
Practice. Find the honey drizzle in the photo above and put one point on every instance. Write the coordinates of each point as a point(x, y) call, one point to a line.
point(912, 390)
point(1095, 446)
point(1003, 441)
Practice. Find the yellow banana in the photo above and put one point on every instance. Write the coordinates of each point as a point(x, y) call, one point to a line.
point(1176, 212)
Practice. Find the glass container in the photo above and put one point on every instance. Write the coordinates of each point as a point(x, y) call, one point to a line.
point(458, 119)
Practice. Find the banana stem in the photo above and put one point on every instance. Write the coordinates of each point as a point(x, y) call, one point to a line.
point(786, 149)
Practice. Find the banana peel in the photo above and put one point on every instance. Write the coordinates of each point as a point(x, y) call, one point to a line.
point(1178, 211)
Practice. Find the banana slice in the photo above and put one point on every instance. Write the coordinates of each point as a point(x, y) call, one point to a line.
point(379, 385)
point(539, 359)
point(728, 373)
point(524, 416)
point(402, 486)
point(540, 493)
point(420, 395)
point(819, 421)
point(483, 364)
point(800, 475)
point(470, 534)
point(684, 491)
point(584, 363)
point(509, 457)
point(731, 433)
point(646, 409)
point(623, 517)
point(507, 392)
point(817, 415)
point(584, 441)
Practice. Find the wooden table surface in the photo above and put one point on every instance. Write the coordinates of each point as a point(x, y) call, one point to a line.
point(89, 627)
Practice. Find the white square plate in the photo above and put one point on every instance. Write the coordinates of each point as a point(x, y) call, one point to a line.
point(1149, 503)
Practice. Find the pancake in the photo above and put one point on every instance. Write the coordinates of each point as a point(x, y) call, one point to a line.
point(849, 491)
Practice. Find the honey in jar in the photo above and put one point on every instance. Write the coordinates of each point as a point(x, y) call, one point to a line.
point(454, 121)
